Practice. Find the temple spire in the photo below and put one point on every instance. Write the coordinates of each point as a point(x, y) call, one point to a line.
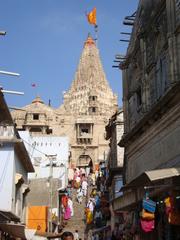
point(89, 83)
point(89, 41)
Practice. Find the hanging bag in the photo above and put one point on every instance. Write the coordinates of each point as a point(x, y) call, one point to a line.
point(149, 205)
point(147, 226)
point(147, 215)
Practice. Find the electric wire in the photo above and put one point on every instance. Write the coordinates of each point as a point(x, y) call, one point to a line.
point(34, 148)
point(3, 175)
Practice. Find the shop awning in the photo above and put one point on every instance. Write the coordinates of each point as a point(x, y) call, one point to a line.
point(162, 173)
point(17, 230)
point(152, 176)
point(134, 190)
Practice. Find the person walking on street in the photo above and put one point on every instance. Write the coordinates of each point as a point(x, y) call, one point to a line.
point(76, 235)
point(70, 204)
point(67, 236)
point(84, 187)
point(79, 195)
point(98, 218)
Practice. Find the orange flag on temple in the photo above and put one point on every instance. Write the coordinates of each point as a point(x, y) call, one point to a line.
point(91, 16)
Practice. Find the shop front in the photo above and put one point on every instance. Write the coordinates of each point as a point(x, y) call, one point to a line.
point(151, 206)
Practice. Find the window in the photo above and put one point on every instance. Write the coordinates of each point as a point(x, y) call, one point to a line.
point(92, 109)
point(139, 98)
point(162, 81)
point(92, 98)
point(49, 131)
point(35, 116)
point(177, 12)
point(85, 130)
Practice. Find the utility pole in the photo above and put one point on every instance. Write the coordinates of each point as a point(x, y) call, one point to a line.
point(51, 158)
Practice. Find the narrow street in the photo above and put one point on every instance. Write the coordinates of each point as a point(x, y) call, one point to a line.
point(90, 120)
point(81, 221)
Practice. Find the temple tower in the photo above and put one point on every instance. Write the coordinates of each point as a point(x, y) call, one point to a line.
point(90, 102)
point(90, 93)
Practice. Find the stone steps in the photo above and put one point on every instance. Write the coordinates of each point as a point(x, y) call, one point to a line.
point(77, 222)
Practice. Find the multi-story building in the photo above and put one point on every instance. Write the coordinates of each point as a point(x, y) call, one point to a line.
point(14, 167)
point(87, 107)
point(115, 158)
point(151, 102)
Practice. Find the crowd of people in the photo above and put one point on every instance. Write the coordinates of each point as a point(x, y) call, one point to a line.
point(78, 180)
point(97, 208)
point(89, 187)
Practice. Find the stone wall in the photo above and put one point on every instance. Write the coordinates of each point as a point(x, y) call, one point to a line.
point(151, 85)
point(156, 148)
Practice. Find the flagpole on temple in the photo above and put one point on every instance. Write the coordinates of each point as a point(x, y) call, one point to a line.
point(96, 34)
point(91, 17)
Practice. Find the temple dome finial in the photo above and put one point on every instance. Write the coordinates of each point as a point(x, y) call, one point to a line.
point(89, 41)
point(37, 100)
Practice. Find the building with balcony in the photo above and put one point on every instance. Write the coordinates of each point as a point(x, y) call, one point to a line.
point(114, 162)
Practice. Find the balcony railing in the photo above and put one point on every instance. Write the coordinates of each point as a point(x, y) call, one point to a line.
point(85, 135)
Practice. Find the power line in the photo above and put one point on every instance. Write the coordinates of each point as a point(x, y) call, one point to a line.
point(34, 148)
point(5, 169)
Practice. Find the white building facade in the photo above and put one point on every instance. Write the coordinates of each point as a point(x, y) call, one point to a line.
point(14, 167)
point(44, 149)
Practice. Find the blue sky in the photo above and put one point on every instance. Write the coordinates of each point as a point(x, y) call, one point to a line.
point(44, 42)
